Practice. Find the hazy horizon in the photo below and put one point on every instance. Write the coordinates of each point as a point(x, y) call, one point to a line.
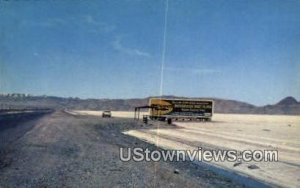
point(239, 50)
point(84, 98)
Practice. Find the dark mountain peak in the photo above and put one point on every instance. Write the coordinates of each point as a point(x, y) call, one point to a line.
point(288, 101)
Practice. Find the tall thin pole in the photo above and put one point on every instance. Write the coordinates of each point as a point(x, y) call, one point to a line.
point(163, 56)
point(162, 73)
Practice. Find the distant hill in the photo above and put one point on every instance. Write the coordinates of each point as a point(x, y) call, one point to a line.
point(288, 105)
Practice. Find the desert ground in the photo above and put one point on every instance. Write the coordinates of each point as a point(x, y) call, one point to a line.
point(237, 132)
point(60, 149)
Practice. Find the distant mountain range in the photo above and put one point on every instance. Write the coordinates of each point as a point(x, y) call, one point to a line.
point(288, 105)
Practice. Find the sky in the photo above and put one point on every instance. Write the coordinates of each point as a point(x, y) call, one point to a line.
point(247, 50)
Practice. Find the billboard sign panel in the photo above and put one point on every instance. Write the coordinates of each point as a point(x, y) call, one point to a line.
point(181, 107)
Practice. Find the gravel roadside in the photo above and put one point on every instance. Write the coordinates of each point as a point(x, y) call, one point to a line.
point(62, 150)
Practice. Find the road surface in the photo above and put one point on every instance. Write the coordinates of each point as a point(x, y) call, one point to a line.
point(63, 150)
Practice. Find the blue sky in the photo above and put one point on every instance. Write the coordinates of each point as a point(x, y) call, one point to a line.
point(246, 50)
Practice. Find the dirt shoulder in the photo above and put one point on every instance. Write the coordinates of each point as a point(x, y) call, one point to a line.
point(62, 150)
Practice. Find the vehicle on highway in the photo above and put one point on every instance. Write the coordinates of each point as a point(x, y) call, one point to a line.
point(106, 113)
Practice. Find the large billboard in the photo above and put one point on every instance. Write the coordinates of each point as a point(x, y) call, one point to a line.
point(181, 107)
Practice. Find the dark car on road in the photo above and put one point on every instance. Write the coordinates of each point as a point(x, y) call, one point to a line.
point(106, 113)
